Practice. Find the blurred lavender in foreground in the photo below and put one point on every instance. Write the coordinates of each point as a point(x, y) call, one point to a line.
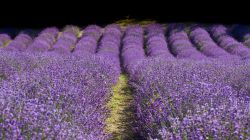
point(191, 100)
point(62, 100)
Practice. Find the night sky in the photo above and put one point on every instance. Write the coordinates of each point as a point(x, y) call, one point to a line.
point(42, 14)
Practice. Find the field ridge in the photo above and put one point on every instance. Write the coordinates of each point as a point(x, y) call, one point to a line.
point(120, 121)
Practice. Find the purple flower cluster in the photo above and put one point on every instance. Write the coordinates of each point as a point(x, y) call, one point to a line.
point(44, 41)
point(4, 39)
point(201, 38)
point(11, 63)
point(19, 62)
point(218, 30)
point(89, 40)
point(110, 43)
point(66, 40)
point(177, 100)
point(181, 46)
point(62, 100)
point(20, 43)
point(156, 45)
point(230, 44)
point(132, 50)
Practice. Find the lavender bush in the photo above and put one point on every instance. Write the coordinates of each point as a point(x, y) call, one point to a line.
point(230, 44)
point(66, 40)
point(218, 30)
point(156, 42)
point(20, 43)
point(89, 41)
point(201, 38)
point(132, 50)
point(181, 46)
point(44, 41)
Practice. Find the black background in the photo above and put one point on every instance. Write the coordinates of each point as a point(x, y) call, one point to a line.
point(41, 14)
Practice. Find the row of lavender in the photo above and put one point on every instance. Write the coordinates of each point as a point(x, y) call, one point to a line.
point(196, 43)
point(51, 96)
point(187, 99)
point(227, 42)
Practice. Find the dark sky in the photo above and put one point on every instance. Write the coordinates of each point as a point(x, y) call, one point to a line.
point(43, 14)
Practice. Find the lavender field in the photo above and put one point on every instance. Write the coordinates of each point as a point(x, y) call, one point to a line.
point(135, 81)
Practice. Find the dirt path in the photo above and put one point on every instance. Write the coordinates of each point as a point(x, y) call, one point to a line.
point(119, 124)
